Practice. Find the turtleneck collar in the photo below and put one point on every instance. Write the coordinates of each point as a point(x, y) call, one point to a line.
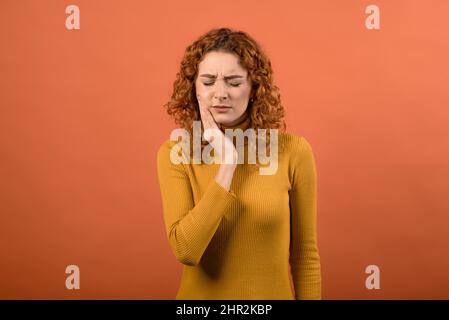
point(242, 124)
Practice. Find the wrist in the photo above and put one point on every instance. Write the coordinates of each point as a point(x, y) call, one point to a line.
point(228, 166)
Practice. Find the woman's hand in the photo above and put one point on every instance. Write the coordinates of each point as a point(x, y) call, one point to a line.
point(223, 146)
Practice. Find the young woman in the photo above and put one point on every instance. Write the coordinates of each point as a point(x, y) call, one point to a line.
point(237, 232)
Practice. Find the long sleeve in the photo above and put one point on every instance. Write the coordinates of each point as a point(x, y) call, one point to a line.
point(304, 255)
point(189, 227)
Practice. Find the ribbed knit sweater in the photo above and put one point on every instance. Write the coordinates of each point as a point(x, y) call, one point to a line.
point(239, 244)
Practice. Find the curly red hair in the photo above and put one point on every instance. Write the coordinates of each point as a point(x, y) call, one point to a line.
point(264, 107)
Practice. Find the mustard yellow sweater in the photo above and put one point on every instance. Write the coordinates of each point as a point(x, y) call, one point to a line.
point(238, 244)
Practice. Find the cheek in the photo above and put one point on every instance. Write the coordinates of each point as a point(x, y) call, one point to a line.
point(203, 91)
point(241, 102)
point(241, 95)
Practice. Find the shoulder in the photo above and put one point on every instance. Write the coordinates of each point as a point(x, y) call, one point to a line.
point(301, 160)
point(290, 138)
point(172, 154)
point(165, 146)
point(164, 151)
point(294, 144)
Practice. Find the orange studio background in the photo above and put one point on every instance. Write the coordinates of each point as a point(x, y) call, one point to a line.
point(81, 120)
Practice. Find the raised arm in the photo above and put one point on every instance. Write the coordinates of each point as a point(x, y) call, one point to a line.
point(189, 227)
point(304, 254)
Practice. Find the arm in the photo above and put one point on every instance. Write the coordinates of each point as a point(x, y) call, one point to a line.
point(189, 228)
point(225, 174)
point(304, 254)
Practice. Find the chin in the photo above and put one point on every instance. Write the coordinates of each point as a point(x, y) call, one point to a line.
point(224, 120)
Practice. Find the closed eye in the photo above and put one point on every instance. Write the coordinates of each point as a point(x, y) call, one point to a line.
point(232, 84)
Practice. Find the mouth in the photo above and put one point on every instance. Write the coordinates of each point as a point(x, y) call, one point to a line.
point(221, 108)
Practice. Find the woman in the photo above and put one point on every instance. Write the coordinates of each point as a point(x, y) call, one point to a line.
point(237, 231)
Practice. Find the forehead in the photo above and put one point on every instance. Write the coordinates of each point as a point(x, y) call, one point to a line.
point(221, 63)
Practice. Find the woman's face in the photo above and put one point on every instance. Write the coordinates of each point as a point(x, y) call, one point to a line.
point(221, 81)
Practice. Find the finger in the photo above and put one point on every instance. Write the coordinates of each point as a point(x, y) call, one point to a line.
point(206, 116)
point(202, 112)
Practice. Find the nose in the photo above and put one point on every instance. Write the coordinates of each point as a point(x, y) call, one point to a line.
point(221, 92)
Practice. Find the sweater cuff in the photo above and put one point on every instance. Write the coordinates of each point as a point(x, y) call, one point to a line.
point(217, 199)
point(219, 196)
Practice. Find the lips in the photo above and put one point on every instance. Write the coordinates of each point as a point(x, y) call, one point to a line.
point(221, 108)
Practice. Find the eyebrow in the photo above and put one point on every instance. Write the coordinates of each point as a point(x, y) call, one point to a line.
point(206, 75)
